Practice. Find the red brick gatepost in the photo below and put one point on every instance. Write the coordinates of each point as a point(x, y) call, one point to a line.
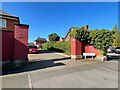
point(76, 48)
point(20, 45)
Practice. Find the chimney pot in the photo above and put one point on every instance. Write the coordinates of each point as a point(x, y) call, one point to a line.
point(86, 27)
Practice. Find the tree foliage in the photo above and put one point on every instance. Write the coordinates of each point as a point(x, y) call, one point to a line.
point(54, 37)
point(80, 34)
point(116, 36)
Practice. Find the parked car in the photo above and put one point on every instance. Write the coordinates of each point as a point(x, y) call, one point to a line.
point(32, 49)
point(117, 50)
point(111, 49)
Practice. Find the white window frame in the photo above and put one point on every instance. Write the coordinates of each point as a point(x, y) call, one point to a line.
point(2, 23)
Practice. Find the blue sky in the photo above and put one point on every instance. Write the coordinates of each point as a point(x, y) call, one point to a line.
point(46, 18)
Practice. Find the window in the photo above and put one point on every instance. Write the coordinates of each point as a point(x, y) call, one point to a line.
point(2, 23)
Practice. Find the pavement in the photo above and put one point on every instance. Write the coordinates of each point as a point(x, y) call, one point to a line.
point(54, 70)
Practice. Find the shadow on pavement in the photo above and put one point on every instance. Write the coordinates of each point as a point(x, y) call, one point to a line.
point(35, 65)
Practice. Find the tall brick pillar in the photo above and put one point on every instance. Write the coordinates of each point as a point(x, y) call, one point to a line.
point(76, 49)
point(20, 45)
point(0, 50)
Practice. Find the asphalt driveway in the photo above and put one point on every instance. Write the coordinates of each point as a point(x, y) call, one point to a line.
point(52, 70)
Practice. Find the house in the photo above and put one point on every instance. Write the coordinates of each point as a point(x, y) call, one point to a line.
point(14, 40)
point(31, 43)
point(7, 21)
point(39, 41)
point(62, 39)
point(67, 37)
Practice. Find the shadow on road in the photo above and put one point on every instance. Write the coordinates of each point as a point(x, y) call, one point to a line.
point(35, 65)
point(44, 51)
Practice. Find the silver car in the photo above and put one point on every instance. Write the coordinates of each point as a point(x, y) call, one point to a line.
point(111, 49)
point(117, 50)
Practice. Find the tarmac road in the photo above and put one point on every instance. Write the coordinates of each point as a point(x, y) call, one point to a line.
point(53, 70)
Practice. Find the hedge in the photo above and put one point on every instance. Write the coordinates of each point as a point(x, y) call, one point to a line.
point(63, 47)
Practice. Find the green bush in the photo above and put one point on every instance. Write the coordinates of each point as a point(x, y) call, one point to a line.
point(44, 46)
point(47, 45)
point(57, 46)
point(101, 39)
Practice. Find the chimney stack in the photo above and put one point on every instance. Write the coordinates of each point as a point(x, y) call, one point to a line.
point(86, 27)
point(72, 28)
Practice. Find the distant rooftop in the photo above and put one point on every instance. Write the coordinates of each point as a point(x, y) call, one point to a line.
point(40, 39)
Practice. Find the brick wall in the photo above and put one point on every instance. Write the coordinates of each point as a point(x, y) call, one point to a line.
point(7, 45)
point(10, 24)
point(78, 48)
point(89, 49)
point(14, 43)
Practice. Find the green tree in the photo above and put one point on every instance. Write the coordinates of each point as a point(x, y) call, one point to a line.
point(80, 34)
point(119, 39)
point(54, 37)
point(116, 36)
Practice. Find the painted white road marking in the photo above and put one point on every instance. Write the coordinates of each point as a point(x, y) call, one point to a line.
point(29, 82)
